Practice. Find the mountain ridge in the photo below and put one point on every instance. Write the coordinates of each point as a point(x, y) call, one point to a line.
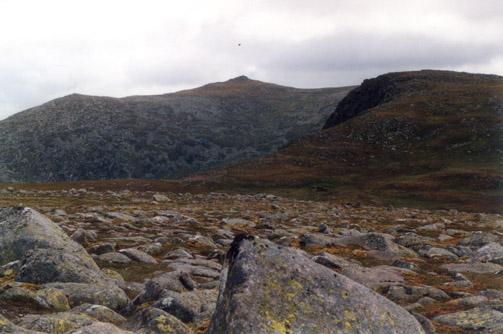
point(432, 139)
point(78, 137)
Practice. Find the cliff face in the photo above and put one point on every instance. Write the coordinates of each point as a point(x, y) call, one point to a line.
point(165, 136)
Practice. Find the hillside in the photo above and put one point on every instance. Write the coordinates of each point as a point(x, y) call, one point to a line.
point(164, 136)
point(426, 138)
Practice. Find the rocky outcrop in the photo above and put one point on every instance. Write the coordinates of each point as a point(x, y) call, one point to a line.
point(267, 288)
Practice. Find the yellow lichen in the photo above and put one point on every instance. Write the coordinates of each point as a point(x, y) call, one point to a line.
point(350, 315)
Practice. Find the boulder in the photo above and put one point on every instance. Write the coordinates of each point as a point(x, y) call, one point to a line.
point(266, 288)
point(186, 306)
point(138, 255)
point(80, 293)
point(156, 321)
point(46, 252)
point(7, 326)
point(99, 328)
point(479, 319)
point(55, 322)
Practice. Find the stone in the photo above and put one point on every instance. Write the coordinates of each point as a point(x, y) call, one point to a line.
point(331, 261)
point(102, 248)
point(99, 312)
point(120, 216)
point(82, 236)
point(160, 198)
point(186, 306)
point(235, 222)
point(479, 268)
point(425, 323)
point(114, 257)
point(80, 293)
point(492, 252)
point(320, 240)
point(24, 298)
point(99, 328)
point(478, 239)
point(433, 252)
point(6, 326)
point(46, 252)
point(54, 322)
point(479, 319)
point(138, 255)
point(156, 321)
point(55, 298)
point(154, 287)
point(266, 288)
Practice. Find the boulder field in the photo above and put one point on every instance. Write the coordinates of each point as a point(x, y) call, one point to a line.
point(121, 262)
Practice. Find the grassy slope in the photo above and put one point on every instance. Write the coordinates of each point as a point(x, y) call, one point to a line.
point(437, 144)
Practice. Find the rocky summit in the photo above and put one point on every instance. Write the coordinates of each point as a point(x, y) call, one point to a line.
point(136, 261)
point(80, 137)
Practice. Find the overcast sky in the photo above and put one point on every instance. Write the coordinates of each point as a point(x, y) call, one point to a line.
point(52, 48)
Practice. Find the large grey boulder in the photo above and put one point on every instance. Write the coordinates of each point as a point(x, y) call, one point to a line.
point(266, 288)
point(46, 252)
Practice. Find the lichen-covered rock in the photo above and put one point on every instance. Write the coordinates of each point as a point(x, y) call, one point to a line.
point(153, 288)
point(47, 253)
point(99, 328)
point(186, 306)
point(99, 312)
point(266, 288)
point(7, 326)
point(55, 298)
point(54, 323)
point(80, 293)
point(24, 298)
point(138, 255)
point(479, 319)
point(156, 321)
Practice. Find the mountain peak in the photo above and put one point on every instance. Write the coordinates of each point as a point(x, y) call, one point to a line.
point(241, 78)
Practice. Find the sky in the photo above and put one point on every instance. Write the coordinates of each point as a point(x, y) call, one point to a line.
point(53, 48)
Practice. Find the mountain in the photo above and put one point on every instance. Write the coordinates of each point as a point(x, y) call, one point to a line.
point(424, 138)
point(80, 137)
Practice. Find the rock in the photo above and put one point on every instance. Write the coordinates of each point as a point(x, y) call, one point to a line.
point(102, 248)
point(24, 298)
point(138, 255)
point(99, 312)
point(479, 319)
point(7, 326)
point(153, 288)
point(55, 322)
point(120, 216)
point(406, 265)
point(479, 268)
point(324, 229)
point(55, 298)
point(473, 300)
point(82, 236)
point(99, 328)
point(236, 222)
point(114, 257)
point(80, 293)
point(320, 240)
point(380, 245)
point(331, 261)
point(188, 282)
point(478, 239)
point(46, 252)
point(371, 276)
point(492, 252)
point(179, 252)
point(155, 321)
point(160, 198)
point(186, 306)
point(425, 323)
point(266, 288)
point(433, 252)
